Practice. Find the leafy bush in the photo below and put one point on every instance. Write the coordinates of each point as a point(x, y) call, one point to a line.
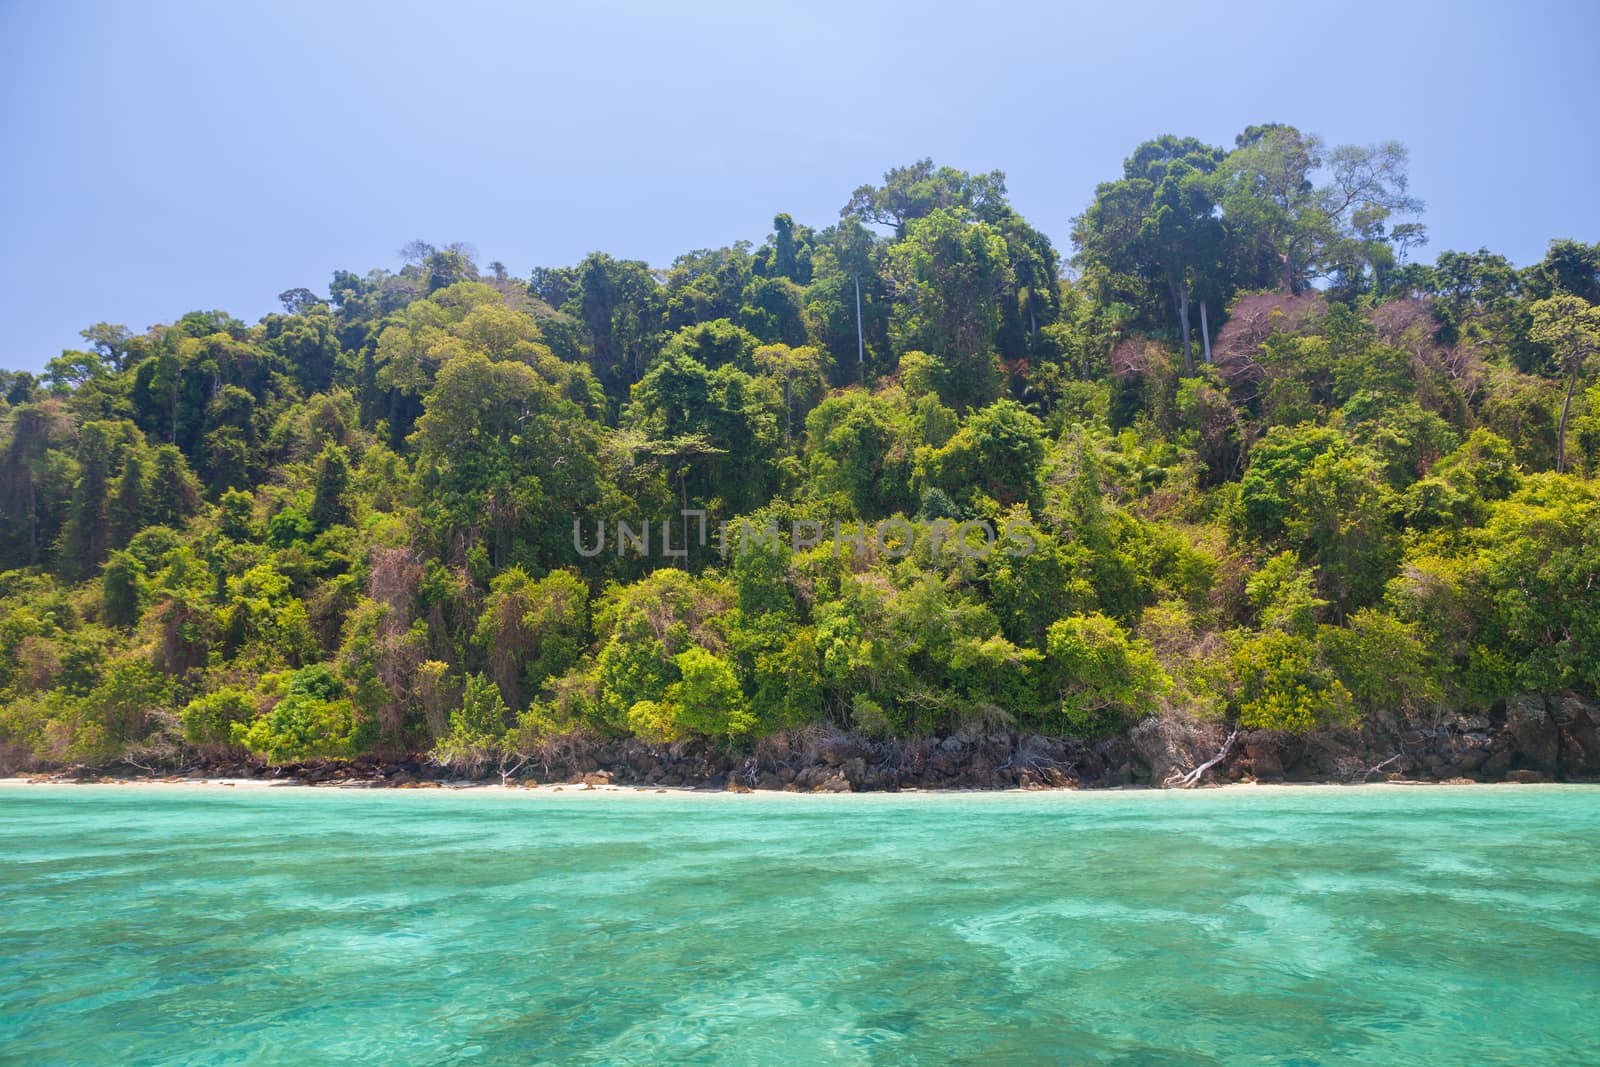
point(1101, 678)
point(313, 720)
point(210, 719)
point(1282, 685)
point(706, 701)
point(477, 726)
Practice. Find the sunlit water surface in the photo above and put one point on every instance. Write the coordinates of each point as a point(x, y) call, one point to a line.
point(1374, 925)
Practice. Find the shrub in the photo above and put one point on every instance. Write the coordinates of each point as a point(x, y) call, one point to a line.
point(1282, 685)
point(477, 726)
point(210, 719)
point(1102, 678)
point(313, 720)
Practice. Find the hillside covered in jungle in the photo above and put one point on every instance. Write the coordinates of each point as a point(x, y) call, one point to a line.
point(1281, 471)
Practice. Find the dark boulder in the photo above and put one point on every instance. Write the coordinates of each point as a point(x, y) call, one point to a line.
point(1578, 726)
point(1532, 730)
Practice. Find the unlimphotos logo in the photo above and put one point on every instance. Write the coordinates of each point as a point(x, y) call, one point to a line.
point(893, 538)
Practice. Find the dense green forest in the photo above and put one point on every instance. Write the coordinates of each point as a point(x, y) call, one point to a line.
point(1278, 471)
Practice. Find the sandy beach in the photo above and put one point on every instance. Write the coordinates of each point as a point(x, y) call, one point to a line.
point(257, 785)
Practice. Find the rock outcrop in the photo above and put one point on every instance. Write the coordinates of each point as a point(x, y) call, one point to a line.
point(1531, 738)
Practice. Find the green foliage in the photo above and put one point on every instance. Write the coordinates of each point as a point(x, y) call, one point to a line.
point(1154, 236)
point(1031, 591)
point(312, 720)
point(477, 726)
point(210, 719)
point(642, 629)
point(1569, 326)
point(509, 455)
point(917, 191)
point(705, 701)
point(1383, 662)
point(1339, 517)
point(714, 432)
point(1277, 465)
point(532, 631)
point(713, 344)
point(997, 455)
point(949, 276)
point(1100, 678)
point(328, 505)
point(1284, 595)
point(1534, 564)
point(860, 445)
point(349, 526)
point(1282, 684)
point(120, 587)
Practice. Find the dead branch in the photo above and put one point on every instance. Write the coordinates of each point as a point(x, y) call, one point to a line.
point(505, 774)
point(1370, 771)
point(1190, 780)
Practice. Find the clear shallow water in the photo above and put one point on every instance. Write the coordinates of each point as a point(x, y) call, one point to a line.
point(1426, 925)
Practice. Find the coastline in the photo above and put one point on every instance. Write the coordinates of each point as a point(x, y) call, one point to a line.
point(1529, 741)
point(468, 786)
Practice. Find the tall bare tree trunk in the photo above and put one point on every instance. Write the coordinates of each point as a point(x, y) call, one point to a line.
point(1183, 314)
point(861, 336)
point(1561, 429)
point(1205, 331)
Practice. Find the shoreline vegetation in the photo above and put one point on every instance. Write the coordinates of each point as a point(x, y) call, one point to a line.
point(1536, 742)
point(897, 502)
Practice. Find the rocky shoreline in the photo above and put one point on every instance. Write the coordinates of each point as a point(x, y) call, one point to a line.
point(1530, 739)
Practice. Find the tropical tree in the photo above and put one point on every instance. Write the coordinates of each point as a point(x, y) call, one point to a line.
point(948, 278)
point(1570, 326)
point(918, 190)
point(1157, 228)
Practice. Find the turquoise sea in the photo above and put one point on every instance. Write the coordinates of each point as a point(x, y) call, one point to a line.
point(1298, 926)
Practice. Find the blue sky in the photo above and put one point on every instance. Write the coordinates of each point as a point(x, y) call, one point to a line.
point(162, 157)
